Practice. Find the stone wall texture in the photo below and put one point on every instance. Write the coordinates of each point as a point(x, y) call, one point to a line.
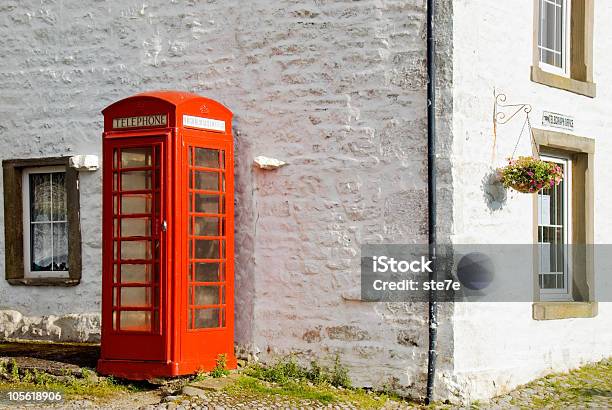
point(334, 88)
point(67, 328)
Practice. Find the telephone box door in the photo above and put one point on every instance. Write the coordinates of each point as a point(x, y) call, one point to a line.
point(134, 241)
point(209, 222)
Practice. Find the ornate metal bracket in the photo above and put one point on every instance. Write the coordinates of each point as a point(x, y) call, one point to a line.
point(503, 112)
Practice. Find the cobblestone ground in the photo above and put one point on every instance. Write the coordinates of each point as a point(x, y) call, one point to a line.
point(224, 401)
point(587, 387)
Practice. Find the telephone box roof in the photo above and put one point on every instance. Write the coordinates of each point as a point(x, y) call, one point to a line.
point(176, 98)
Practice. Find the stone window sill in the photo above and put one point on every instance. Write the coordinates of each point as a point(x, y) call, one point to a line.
point(564, 310)
point(44, 282)
point(564, 83)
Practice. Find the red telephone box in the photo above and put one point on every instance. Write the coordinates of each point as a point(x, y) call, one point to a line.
point(168, 236)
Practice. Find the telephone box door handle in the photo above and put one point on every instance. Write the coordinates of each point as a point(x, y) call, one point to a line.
point(164, 226)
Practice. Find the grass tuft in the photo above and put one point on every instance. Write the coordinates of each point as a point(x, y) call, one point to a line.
point(289, 379)
point(287, 369)
point(220, 369)
point(70, 386)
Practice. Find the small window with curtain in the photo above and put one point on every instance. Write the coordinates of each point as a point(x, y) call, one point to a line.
point(45, 222)
point(553, 36)
point(42, 243)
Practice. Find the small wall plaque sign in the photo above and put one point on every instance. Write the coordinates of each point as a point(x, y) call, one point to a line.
point(551, 119)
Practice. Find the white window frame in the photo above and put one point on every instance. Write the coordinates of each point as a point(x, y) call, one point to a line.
point(25, 190)
point(564, 70)
point(565, 293)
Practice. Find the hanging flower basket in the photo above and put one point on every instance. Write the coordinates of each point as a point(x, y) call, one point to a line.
point(529, 174)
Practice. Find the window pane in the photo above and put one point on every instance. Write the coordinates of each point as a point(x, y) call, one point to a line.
point(552, 257)
point(208, 272)
point(136, 296)
point(209, 249)
point(206, 295)
point(206, 180)
point(142, 273)
point(206, 318)
point(209, 204)
point(552, 281)
point(59, 196)
point(560, 281)
point(135, 180)
point(41, 247)
point(547, 57)
point(208, 158)
point(60, 246)
point(548, 281)
point(551, 32)
point(136, 204)
point(559, 28)
point(40, 197)
point(136, 157)
point(550, 26)
point(135, 321)
point(204, 226)
point(135, 227)
point(551, 234)
point(136, 250)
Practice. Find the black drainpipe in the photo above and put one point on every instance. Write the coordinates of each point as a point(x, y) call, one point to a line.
point(431, 194)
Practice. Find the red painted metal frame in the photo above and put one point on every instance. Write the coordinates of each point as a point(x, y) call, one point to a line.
point(215, 337)
point(130, 344)
point(174, 349)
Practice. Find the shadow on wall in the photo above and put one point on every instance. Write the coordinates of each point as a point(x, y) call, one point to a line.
point(493, 191)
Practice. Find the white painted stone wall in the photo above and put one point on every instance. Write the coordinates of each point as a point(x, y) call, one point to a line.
point(334, 88)
point(498, 346)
